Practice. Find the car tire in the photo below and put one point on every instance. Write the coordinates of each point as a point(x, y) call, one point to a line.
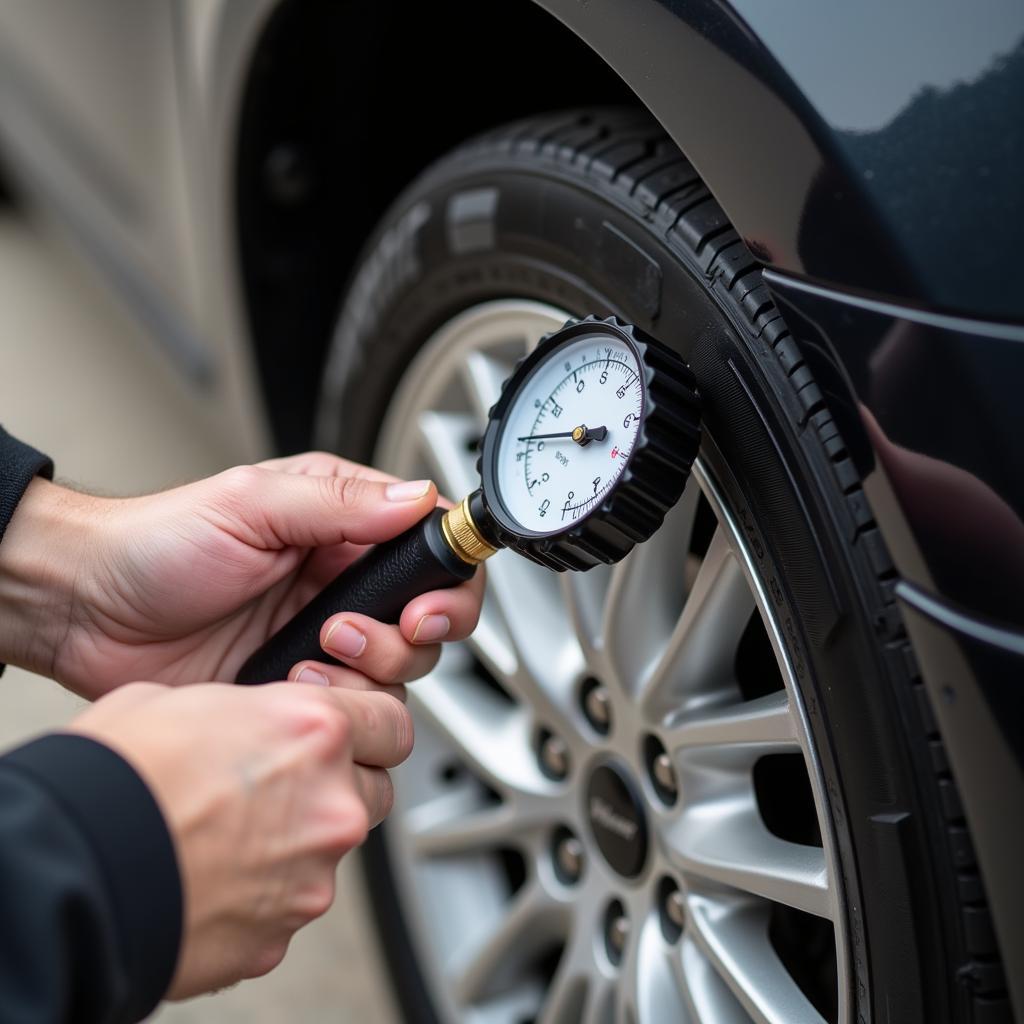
point(598, 212)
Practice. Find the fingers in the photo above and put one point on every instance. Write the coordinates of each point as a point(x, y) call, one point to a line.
point(377, 792)
point(319, 673)
point(400, 654)
point(132, 695)
point(379, 728)
point(379, 735)
point(324, 464)
point(377, 650)
point(271, 509)
point(460, 605)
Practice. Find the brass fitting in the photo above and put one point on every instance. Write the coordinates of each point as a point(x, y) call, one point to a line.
point(462, 535)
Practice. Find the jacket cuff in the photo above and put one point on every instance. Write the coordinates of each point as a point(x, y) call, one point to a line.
point(19, 464)
point(118, 816)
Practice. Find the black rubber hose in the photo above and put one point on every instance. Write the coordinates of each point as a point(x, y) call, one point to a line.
point(380, 585)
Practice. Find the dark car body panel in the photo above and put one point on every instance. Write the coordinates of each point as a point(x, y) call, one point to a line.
point(873, 156)
point(944, 397)
point(874, 146)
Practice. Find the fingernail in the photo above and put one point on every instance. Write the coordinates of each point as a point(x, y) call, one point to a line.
point(310, 675)
point(407, 490)
point(431, 628)
point(345, 640)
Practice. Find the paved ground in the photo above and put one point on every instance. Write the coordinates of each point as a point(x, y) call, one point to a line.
point(82, 382)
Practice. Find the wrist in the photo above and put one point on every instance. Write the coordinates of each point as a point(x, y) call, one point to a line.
point(41, 557)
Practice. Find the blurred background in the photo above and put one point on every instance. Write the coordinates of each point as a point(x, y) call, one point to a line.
point(84, 383)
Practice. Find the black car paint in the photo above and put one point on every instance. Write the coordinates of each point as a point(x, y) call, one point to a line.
point(875, 146)
point(941, 392)
point(871, 155)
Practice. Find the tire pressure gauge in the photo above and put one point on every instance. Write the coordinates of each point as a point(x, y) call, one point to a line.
point(587, 448)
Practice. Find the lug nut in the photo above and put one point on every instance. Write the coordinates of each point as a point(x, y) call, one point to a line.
point(672, 909)
point(663, 772)
point(675, 908)
point(568, 858)
point(616, 931)
point(554, 755)
point(597, 706)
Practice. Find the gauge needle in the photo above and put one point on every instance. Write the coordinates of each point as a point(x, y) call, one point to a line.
point(582, 435)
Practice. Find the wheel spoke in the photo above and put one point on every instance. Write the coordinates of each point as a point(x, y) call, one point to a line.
point(492, 644)
point(569, 992)
point(750, 729)
point(486, 962)
point(492, 737)
point(519, 1004)
point(708, 998)
point(483, 376)
point(444, 440)
point(599, 1006)
point(734, 937)
point(565, 998)
point(724, 840)
point(651, 577)
point(699, 659)
point(584, 594)
point(527, 602)
point(651, 990)
point(455, 823)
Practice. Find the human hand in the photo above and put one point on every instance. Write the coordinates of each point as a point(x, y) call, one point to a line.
point(263, 789)
point(185, 584)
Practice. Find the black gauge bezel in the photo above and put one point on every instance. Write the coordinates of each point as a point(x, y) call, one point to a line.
point(649, 484)
point(520, 379)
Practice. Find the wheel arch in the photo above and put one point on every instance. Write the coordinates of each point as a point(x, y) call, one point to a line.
point(299, 237)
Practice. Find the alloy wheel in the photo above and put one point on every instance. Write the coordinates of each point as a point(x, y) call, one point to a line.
point(614, 811)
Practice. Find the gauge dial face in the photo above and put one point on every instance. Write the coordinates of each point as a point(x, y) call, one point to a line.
point(568, 433)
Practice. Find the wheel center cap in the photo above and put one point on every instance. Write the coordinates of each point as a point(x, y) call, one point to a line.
point(617, 819)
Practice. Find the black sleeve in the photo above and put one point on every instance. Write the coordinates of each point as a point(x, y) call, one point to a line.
point(90, 896)
point(19, 464)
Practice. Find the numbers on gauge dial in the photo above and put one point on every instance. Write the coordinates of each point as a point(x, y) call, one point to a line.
point(569, 432)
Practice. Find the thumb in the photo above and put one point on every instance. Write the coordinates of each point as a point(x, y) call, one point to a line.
point(288, 509)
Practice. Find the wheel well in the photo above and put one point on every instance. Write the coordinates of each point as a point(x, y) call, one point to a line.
point(344, 105)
